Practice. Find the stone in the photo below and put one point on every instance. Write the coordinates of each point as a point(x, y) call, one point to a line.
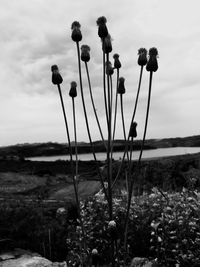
point(25, 258)
point(27, 261)
point(142, 262)
point(138, 262)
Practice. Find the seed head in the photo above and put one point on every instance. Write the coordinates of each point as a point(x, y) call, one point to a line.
point(76, 31)
point(85, 53)
point(133, 131)
point(117, 63)
point(102, 30)
point(109, 68)
point(121, 88)
point(153, 51)
point(101, 20)
point(142, 59)
point(56, 77)
point(107, 44)
point(73, 91)
point(152, 64)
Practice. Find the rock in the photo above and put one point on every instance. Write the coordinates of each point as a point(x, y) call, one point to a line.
point(143, 262)
point(138, 262)
point(23, 258)
point(6, 256)
point(27, 261)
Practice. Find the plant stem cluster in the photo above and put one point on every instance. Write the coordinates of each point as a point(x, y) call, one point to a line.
point(110, 103)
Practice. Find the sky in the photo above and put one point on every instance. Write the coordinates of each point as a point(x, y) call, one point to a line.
point(36, 34)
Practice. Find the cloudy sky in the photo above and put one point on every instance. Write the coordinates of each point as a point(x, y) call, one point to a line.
point(36, 34)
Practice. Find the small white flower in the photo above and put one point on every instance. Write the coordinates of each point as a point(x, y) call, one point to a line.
point(61, 210)
point(94, 251)
point(112, 224)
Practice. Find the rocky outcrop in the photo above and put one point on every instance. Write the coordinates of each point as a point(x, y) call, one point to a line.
point(22, 258)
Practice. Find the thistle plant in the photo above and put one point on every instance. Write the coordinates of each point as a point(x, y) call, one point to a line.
point(77, 40)
point(57, 80)
point(111, 112)
point(73, 94)
point(103, 32)
point(121, 91)
point(152, 66)
point(117, 66)
point(85, 57)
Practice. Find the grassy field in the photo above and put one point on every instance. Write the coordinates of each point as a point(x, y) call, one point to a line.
point(57, 187)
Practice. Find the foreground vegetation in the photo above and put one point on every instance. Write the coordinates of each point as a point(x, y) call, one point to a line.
point(162, 226)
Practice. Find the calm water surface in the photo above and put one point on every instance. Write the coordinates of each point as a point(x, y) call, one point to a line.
point(152, 153)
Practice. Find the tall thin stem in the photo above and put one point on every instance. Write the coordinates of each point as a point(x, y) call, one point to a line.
point(139, 160)
point(70, 148)
point(86, 120)
point(104, 80)
point(123, 122)
point(111, 95)
point(71, 163)
point(93, 105)
point(137, 96)
point(109, 160)
point(133, 117)
point(147, 116)
point(116, 97)
point(75, 139)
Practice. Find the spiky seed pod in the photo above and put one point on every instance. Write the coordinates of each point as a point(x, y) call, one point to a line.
point(109, 68)
point(107, 47)
point(56, 77)
point(121, 88)
point(85, 53)
point(152, 64)
point(117, 63)
point(76, 31)
point(142, 56)
point(133, 131)
point(73, 91)
point(102, 30)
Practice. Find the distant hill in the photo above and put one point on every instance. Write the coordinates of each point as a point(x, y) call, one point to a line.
point(52, 149)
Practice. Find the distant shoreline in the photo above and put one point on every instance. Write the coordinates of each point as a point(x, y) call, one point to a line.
point(53, 149)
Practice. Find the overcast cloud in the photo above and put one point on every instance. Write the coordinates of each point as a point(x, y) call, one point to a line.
point(36, 34)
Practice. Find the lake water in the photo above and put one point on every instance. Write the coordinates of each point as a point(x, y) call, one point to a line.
point(151, 153)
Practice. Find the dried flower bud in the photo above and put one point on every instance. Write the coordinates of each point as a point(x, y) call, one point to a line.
point(133, 131)
point(76, 31)
point(73, 91)
point(85, 53)
point(109, 68)
point(107, 44)
point(152, 64)
point(117, 63)
point(102, 30)
point(56, 77)
point(142, 59)
point(121, 89)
